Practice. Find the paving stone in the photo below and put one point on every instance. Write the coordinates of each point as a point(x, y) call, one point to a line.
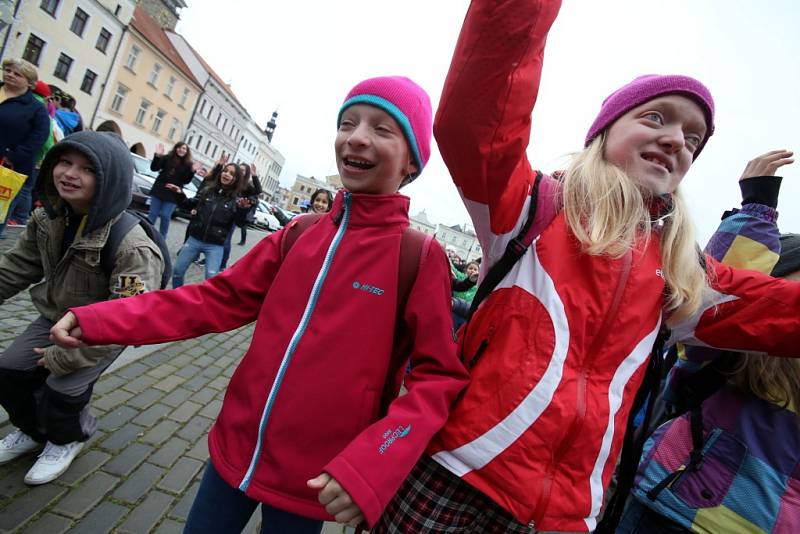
point(116, 418)
point(133, 371)
point(195, 428)
point(220, 383)
point(199, 450)
point(120, 438)
point(162, 371)
point(83, 466)
point(36, 500)
point(169, 383)
point(212, 371)
point(185, 411)
point(161, 432)
point(145, 399)
point(147, 514)
point(169, 452)
point(177, 397)
point(49, 523)
point(138, 385)
point(181, 510)
point(108, 383)
point(112, 400)
point(101, 520)
point(181, 360)
point(152, 415)
point(180, 475)
point(138, 483)
point(82, 499)
point(204, 361)
point(196, 383)
point(253, 526)
point(12, 474)
point(128, 460)
point(211, 410)
point(159, 357)
point(170, 526)
point(204, 395)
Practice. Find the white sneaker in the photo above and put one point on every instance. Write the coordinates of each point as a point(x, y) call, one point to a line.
point(54, 460)
point(17, 444)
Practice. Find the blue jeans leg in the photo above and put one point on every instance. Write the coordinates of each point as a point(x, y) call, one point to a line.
point(167, 209)
point(155, 209)
point(214, 255)
point(189, 252)
point(227, 252)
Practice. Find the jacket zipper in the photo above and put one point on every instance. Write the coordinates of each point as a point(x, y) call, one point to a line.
point(583, 374)
point(211, 218)
point(295, 340)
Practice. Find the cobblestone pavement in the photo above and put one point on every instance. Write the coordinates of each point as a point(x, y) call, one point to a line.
point(140, 471)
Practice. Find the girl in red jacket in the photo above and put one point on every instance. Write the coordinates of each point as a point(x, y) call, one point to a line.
point(304, 429)
point(560, 347)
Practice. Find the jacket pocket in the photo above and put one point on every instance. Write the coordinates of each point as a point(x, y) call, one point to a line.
point(723, 455)
point(83, 281)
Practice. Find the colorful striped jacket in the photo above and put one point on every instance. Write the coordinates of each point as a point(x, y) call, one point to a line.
point(750, 477)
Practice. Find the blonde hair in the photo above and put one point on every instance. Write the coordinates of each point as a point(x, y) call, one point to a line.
point(771, 378)
point(609, 214)
point(24, 68)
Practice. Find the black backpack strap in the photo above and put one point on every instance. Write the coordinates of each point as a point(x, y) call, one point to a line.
point(119, 230)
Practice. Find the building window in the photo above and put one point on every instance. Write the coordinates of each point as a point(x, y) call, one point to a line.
point(133, 57)
point(117, 10)
point(79, 22)
point(214, 152)
point(33, 50)
point(173, 130)
point(219, 117)
point(160, 114)
point(170, 87)
point(199, 140)
point(184, 97)
point(102, 40)
point(119, 99)
point(62, 67)
point(208, 148)
point(294, 201)
point(49, 6)
point(202, 106)
point(88, 81)
point(224, 123)
point(154, 74)
point(141, 115)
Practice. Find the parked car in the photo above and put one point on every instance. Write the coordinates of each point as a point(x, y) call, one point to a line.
point(264, 219)
point(189, 190)
point(143, 180)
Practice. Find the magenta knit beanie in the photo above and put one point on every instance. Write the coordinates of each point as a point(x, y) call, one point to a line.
point(406, 102)
point(646, 88)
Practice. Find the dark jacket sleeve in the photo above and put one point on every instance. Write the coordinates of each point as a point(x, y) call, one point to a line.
point(283, 219)
point(257, 185)
point(23, 156)
point(158, 163)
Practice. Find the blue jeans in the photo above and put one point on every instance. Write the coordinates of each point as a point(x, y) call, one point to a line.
point(191, 251)
point(226, 253)
point(639, 519)
point(218, 507)
point(163, 209)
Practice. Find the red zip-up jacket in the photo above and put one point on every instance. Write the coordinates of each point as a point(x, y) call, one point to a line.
point(565, 337)
point(305, 397)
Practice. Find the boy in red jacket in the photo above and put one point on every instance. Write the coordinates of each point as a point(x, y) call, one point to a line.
point(300, 430)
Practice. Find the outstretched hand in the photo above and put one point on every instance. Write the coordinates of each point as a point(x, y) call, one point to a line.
point(767, 164)
point(336, 500)
point(160, 149)
point(66, 333)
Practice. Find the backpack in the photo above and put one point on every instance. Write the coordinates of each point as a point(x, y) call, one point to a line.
point(120, 229)
point(413, 245)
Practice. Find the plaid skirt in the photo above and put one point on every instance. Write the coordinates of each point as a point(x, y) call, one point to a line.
point(433, 500)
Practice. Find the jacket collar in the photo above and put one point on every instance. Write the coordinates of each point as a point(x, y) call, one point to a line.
point(373, 210)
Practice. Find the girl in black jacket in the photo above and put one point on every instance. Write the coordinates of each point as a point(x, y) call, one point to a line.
point(177, 170)
point(215, 208)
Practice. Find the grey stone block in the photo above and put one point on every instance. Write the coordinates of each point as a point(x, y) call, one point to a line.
point(133, 370)
point(211, 410)
point(170, 526)
point(116, 418)
point(147, 514)
point(83, 498)
point(139, 483)
point(220, 383)
point(162, 371)
point(185, 411)
point(25, 507)
point(152, 415)
point(119, 439)
point(199, 450)
point(195, 428)
point(169, 452)
point(101, 520)
point(12, 475)
point(177, 397)
point(129, 459)
point(196, 383)
point(204, 395)
point(188, 371)
point(181, 510)
point(83, 466)
point(48, 523)
point(108, 383)
point(161, 432)
point(181, 360)
point(203, 360)
point(138, 385)
point(145, 399)
point(112, 399)
point(169, 383)
point(181, 474)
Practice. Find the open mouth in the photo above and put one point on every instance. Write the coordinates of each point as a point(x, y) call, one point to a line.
point(358, 163)
point(658, 160)
point(68, 187)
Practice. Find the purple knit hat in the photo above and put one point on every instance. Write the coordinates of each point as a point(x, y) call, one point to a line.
point(646, 88)
point(406, 102)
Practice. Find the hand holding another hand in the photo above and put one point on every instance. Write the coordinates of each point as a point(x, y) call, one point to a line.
point(336, 500)
point(66, 333)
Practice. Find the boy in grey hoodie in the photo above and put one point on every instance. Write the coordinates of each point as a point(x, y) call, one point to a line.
point(85, 181)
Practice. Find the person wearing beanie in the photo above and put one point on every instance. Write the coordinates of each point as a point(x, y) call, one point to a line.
point(85, 184)
point(311, 426)
point(745, 404)
point(584, 275)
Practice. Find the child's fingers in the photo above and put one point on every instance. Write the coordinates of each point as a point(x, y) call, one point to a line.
point(319, 482)
point(38, 350)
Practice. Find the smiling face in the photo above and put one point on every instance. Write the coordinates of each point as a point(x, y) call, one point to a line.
point(372, 154)
point(75, 181)
point(181, 149)
point(655, 142)
point(228, 175)
point(320, 203)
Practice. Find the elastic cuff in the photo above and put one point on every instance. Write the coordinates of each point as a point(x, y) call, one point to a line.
point(761, 190)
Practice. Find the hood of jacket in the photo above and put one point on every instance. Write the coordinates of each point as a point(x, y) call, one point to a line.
point(113, 171)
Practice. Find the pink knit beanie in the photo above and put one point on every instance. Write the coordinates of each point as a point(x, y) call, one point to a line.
point(646, 88)
point(406, 102)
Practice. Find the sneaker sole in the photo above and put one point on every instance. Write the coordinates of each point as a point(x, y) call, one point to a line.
point(20, 455)
point(37, 482)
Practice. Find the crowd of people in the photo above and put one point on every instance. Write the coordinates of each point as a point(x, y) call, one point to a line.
point(607, 375)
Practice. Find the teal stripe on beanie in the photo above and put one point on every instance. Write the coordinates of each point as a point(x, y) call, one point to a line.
point(396, 114)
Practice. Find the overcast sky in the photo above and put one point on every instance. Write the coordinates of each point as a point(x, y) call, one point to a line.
point(301, 58)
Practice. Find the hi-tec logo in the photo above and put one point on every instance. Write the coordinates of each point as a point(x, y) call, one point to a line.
point(391, 436)
point(368, 288)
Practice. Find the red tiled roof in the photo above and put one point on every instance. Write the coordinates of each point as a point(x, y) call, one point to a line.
point(155, 35)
